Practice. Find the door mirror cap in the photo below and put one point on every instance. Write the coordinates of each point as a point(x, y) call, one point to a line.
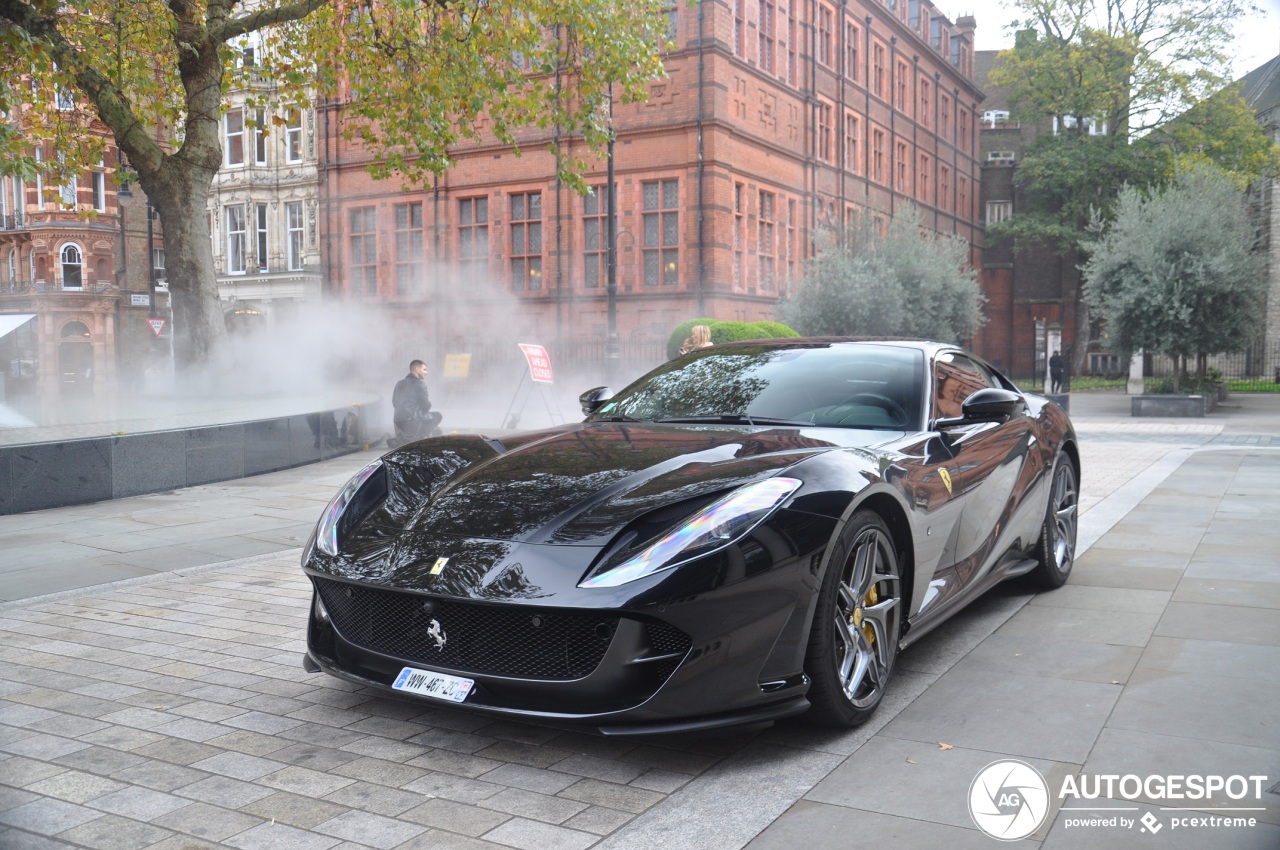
point(593, 399)
point(990, 404)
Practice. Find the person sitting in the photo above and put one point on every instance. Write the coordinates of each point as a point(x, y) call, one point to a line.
point(411, 404)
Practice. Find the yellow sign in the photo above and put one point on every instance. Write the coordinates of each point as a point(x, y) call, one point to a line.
point(946, 478)
point(457, 365)
point(439, 564)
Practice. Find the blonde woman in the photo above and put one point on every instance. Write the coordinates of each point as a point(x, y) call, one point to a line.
point(699, 337)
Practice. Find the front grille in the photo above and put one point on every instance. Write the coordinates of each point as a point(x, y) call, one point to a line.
point(501, 640)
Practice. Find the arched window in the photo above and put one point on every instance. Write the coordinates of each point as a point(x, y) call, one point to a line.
point(75, 332)
point(72, 260)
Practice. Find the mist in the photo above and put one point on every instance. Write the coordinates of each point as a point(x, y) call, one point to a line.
point(357, 350)
point(284, 358)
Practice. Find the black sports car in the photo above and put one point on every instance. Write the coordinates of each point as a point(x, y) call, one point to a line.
point(748, 532)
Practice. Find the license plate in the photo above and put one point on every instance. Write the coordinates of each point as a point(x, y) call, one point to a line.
point(431, 684)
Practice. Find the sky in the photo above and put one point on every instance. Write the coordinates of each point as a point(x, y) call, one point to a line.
point(1258, 37)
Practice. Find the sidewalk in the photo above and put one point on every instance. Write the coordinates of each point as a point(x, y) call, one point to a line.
point(170, 711)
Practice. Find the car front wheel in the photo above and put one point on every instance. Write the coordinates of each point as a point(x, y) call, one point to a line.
point(856, 626)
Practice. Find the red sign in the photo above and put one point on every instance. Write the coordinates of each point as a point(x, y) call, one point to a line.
point(157, 325)
point(539, 362)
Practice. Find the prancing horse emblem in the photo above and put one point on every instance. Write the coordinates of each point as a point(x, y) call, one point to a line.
point(436, 633)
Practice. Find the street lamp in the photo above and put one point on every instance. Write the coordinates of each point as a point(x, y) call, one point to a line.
point(151, 259)
point(123, 197)
point(612, 347)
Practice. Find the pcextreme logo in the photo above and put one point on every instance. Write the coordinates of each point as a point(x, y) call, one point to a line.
point(1009, 800)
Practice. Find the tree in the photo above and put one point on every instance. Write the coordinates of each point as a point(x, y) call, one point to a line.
point(1175, 272)
point(894, 280)
point(418, 76)
point(1134, 88)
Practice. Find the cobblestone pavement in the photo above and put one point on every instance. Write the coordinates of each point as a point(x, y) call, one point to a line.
point(170, 712)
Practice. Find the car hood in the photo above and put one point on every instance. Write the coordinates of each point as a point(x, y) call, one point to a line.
point(580, 485)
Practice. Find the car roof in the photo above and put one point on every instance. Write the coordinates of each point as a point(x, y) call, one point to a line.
point(928, 346)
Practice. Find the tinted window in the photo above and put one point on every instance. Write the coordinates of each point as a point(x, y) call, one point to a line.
point(842, 385)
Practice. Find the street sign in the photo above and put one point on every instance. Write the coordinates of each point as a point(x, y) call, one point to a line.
point(157, 325)
point(539, 362)
point(457, 365)
point(140, 299)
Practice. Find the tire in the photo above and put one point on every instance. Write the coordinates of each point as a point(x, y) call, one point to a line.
point(857, 624)
point(1056, 549)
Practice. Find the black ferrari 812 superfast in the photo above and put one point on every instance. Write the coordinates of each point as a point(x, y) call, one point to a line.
point(748, 532)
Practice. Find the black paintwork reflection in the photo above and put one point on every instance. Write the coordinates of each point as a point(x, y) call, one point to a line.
point(582, 484)
point(417, 473)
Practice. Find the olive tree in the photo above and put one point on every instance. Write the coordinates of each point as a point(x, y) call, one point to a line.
point(887, 279)
point(1175, 273)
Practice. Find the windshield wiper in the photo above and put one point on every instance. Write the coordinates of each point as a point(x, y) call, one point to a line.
point(732, 419)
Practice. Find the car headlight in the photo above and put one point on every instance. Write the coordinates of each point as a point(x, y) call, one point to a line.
point(714, 527)
point(331, 521)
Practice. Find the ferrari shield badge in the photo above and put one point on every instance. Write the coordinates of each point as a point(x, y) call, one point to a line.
point(942, 473)
point(438, 566)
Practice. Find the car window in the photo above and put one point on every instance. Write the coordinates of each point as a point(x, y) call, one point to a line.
point(844, 385)
point(955, 378)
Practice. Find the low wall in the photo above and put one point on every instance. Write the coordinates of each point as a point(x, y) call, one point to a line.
point(72, 472)
point(1154, 404)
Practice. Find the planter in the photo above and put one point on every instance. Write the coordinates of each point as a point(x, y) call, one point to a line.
point(1154, 404)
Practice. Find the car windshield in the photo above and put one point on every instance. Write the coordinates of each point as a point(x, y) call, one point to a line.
point(841, 385)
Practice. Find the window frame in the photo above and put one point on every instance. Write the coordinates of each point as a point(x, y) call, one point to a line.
point(233, 140)
point(525, 256)
point(295, 250)
point(236, 236)
point(662, 253)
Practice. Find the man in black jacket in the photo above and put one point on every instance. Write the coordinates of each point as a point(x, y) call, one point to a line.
point(412, 405)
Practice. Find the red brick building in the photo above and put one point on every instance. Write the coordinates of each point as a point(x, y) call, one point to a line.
point(777, 119)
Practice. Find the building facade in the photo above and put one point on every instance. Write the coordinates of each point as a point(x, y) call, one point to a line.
point(263, 215)
point(776, 121)
point(75, 292)
point(1261, 90)
point(1033, 295)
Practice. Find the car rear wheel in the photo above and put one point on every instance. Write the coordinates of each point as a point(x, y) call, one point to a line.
point(856, 626)
point(1056, 550)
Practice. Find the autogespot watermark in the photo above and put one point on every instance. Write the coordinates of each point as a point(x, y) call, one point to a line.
point(1010, 800)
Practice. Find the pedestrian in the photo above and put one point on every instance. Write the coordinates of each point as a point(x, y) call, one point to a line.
point(411, 403)
point(1055, 372)
point(699, 337)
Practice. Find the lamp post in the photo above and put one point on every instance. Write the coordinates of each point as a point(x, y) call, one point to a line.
point(611, 345)
point(123, 197)
point(151, 260)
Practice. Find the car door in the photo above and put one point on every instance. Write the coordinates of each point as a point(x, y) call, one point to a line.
point(992, 467)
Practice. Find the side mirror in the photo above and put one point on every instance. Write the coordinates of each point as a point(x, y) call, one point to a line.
point(989, 404)
point(593, 399)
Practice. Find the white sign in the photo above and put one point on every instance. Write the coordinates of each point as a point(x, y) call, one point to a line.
point(157, 325)
point(140, 300)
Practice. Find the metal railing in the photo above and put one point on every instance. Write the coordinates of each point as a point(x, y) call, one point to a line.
point(1253, 369)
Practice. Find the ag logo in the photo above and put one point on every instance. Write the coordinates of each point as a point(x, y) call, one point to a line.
point(1008, 800)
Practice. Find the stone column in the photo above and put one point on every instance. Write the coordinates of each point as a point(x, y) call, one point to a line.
point(1135, 385)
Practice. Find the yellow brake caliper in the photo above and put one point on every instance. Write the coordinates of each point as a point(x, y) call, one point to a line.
point(867, 601)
